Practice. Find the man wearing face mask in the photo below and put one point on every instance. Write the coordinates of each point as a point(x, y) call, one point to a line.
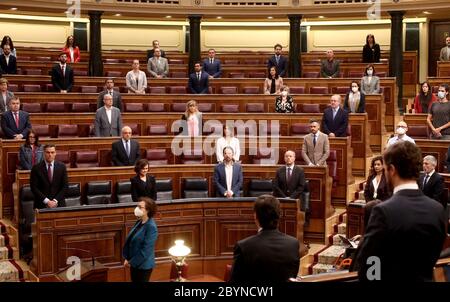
point(438, 118)
point(445, 51)
point(139, 248)
point(400, 136)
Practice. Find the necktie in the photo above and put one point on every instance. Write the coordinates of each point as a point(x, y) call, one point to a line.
point(198, 76)
point(314, 140)
point(110, 92)
point(211, 61)
point(425, 181)
point(334, 113)
point(127, 148)
point(278, 59)
point(289, 174)
point(49, 172)
point(16, 116)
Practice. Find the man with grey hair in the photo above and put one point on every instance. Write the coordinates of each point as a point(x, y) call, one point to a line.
point(400, 136)
point(335, 118)
point(108, 120)
point(431, 182)
point(126, 151)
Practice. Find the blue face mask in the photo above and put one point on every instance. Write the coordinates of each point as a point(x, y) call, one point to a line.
point(441, 94)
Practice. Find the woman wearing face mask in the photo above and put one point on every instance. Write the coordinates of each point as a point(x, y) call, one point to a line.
point(284, 103)
point(423, 101)
point(355, 100)
point(143, 184)
point(376, 184)
point(139, 248)
point(370, 83)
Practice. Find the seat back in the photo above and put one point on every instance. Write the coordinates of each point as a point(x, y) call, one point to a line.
point(86, 159)
point(32, 88)
point(251, 90)
point(254, 107)
point(158, 90)
point(135, 128)
point(31, 107)
point(178, 107)
point(88, 89)
point(340, 89)
point(160, 129)
point(205, 107)
point(257, 187)
point(229, 108)
point(297, 89)
point(299, 129)
point(78, 72)
point(80, 107)
point(43, 131)
point(257, 75)
point(177, 90)
point(332, 166)
point(311, 74)
point(73, 195)
point(228, 90)
point(195, 188)
point(98, 192)
point(33, 71)
point(236, 75)
point(155, 107)
point(67, 130)
point(123, 191)
point(26, 219)
point(164, 189)
point(178, 74)
point(418, 131)
point(157, 156)
point(56, 107)
point(134, 107)
point(64, 157)
point(113, 74)
point(308, 108)
point(318, 90)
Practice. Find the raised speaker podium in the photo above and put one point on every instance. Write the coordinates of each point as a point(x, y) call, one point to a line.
point(90, 271)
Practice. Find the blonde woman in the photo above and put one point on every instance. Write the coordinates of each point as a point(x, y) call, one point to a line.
point(136, 79)
point(193, 119)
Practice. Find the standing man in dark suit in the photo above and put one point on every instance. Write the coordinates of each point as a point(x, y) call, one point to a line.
point(211, 65)
point(228, 176)
point(126, 151)
point(431, 182)
point(5, 95)
point(269, 256)
point(335, 119)
point(8, 62)
point(109, 89)
point(62, 75)
point(406, 233)
point(151, 52)
point(108, 120)
point(290, 179)
point(198, 80)
point(330, 67)
point(15, 122)
point(280, 62)
point(48, 181)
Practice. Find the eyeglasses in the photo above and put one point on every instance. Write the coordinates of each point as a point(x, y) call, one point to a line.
point(32, 136)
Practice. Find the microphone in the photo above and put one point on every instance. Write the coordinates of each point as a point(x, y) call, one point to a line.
point(81, 250)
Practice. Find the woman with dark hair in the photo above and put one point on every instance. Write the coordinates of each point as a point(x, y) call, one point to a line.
point(355, 101)
point(193, 118)
point(376, 184)
point(31, 152)
point(227, 140)
point(139, 248)
point(371, 51)
point(370, 83)
point(7, 41)
point(273, 82)
point(284, 103)
point(71, 50)
point(143, 184)
point(423, 100)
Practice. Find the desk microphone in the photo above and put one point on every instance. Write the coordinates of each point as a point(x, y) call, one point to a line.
point(81, 250)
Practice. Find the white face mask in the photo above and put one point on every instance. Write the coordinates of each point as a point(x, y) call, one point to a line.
point(369, 72)
point(138, 212)
point(284, 94)
point(355, 89)
point(401, 131)
point(441, 94)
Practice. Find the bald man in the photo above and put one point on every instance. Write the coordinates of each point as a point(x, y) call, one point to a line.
point(126, 151)
point(400, 135)
point(330, 67)
point(289, 180)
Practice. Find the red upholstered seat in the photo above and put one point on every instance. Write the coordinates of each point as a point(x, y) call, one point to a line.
point(229, 108)
point(56, 107)
point(13, 87)
point(254, 107)
point(155, 107)
point(135, 128)
point(332, 166)
point(311, 74)
point(251, 90)
point(113, 74)
point(418, 131)
point(299, 129)
point(80, 107)
point(43, 131)
point(67, 131)
point(158, 90)
point(49, 87)
point(308, 108)
point(229, 90)
point(157, 156)
point(355, 74)
point(86, 159)
point(297, 89)
point(177, 90)
point(227, 275)
point(88, 89)
point(159, 129)
point(256, 74)
point(340, 90)
point(134, 107)
point(205, 107)
point(31, 107)
point(63, 156)
point(178, 74)
point(236, 75)
point(178, 107)
point(318, 90)
point(78, 72)
point(195, 157)
point(33, 72)
point(32, 88)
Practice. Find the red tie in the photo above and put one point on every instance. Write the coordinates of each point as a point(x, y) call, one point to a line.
point(16, 115)
point(49, 171)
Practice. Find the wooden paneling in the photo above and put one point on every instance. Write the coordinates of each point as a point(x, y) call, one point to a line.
point(439, 30)
point(105, 241)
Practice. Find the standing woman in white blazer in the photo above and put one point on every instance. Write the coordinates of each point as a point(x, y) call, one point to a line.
point(136, 79)
point(228, 140)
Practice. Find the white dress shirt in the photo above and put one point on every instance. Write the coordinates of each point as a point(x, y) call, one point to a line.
point(408, 186)
point(229, 176)
point(396, 139)
point(108, 114)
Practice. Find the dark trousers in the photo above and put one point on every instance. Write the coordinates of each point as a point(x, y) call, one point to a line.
point(140, 275)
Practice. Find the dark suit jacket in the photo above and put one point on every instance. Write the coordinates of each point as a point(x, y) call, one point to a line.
point(338, 126)
point(11, 68)
point(196, 86)
point(383, 191)
point(143, 189)
point(406, 232)
point(59, 81)
point(150, 53)
point(42, 188)
point(281, 67)
point(9, 125)
point(293, 189)
point(371, 55)
point(360, 106)
point(214, 69)
point(267, 256)
point(4, 103)
point(117, 100)
point(139, 248)
point(434, 187)
point(333, 72)
point(120, 157)
point(220, 179)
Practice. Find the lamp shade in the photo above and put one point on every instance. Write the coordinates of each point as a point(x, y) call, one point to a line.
point(179, 249)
